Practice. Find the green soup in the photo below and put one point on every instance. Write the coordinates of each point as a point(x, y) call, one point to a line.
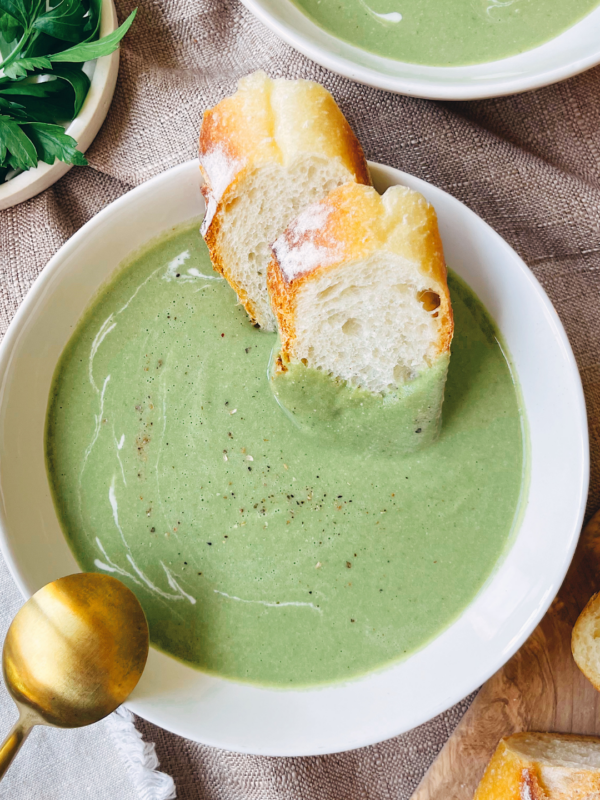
point(446, 33)
point(257, 552)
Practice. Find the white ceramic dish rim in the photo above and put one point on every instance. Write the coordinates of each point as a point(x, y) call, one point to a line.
point(240, 706)
point(574, 51)
point(83, 128)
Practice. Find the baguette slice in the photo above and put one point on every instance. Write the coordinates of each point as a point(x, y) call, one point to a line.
point(585, 641)
point(358, 284)
point(266, 152)
point(543, 766)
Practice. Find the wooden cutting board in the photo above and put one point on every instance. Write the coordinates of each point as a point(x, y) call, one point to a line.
point(539, 689)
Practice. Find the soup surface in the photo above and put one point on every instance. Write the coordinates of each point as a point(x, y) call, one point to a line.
point(258, 553)
point(446, 33)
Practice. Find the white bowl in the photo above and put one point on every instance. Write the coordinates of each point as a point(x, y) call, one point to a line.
point(382, 704)
point(103, 74)
point(574, 51)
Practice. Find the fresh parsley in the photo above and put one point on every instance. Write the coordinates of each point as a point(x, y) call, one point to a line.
point(43, 47)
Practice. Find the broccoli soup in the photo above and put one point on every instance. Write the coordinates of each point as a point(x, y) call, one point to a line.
point(259, 553)
point(446, 33)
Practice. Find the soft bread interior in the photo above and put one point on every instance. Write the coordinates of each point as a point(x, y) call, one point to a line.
point(567, 766)
point(259, 210)
point(550, 750)
point(372, 322)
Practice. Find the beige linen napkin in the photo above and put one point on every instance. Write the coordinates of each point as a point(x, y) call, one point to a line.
point(529, 165)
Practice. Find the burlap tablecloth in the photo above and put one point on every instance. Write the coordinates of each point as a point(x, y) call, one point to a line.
point(529, 165)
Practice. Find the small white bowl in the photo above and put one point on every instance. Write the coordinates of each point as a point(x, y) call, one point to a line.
point(382, 704)
point(103, 74)
point(574, 51)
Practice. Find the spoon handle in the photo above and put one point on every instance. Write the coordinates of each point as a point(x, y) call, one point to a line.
point(12, 744)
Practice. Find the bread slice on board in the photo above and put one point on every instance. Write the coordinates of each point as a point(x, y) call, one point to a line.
point(543, 766)
point(585, 641)
point(266, 152)
point(358, 284)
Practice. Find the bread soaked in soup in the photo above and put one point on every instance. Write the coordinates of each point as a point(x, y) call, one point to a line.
point(358, 285)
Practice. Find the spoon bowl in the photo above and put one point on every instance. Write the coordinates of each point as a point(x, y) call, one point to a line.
point(72, 655)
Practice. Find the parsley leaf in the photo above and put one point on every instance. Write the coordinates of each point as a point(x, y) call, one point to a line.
point(51, 101)
point(24, 87)
point(12, 109)
point(18, 10)
point(91, 50)
point(65, 93)
point(92, 25)
point(51, 142)
point(78, 81)
point(10, 28)
point(43, 45)
point(20, 68)
point(20, 149)
point(65, 21)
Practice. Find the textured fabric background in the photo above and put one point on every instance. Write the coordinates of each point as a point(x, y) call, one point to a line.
point(529, 165)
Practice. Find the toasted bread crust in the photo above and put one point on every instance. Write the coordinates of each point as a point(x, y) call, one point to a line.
point(513, 775)
point(267, 121)
point(508, 777)
point(583, 640)
point(354, 222)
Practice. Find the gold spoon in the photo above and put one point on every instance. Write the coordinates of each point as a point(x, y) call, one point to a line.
point(72, 655)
